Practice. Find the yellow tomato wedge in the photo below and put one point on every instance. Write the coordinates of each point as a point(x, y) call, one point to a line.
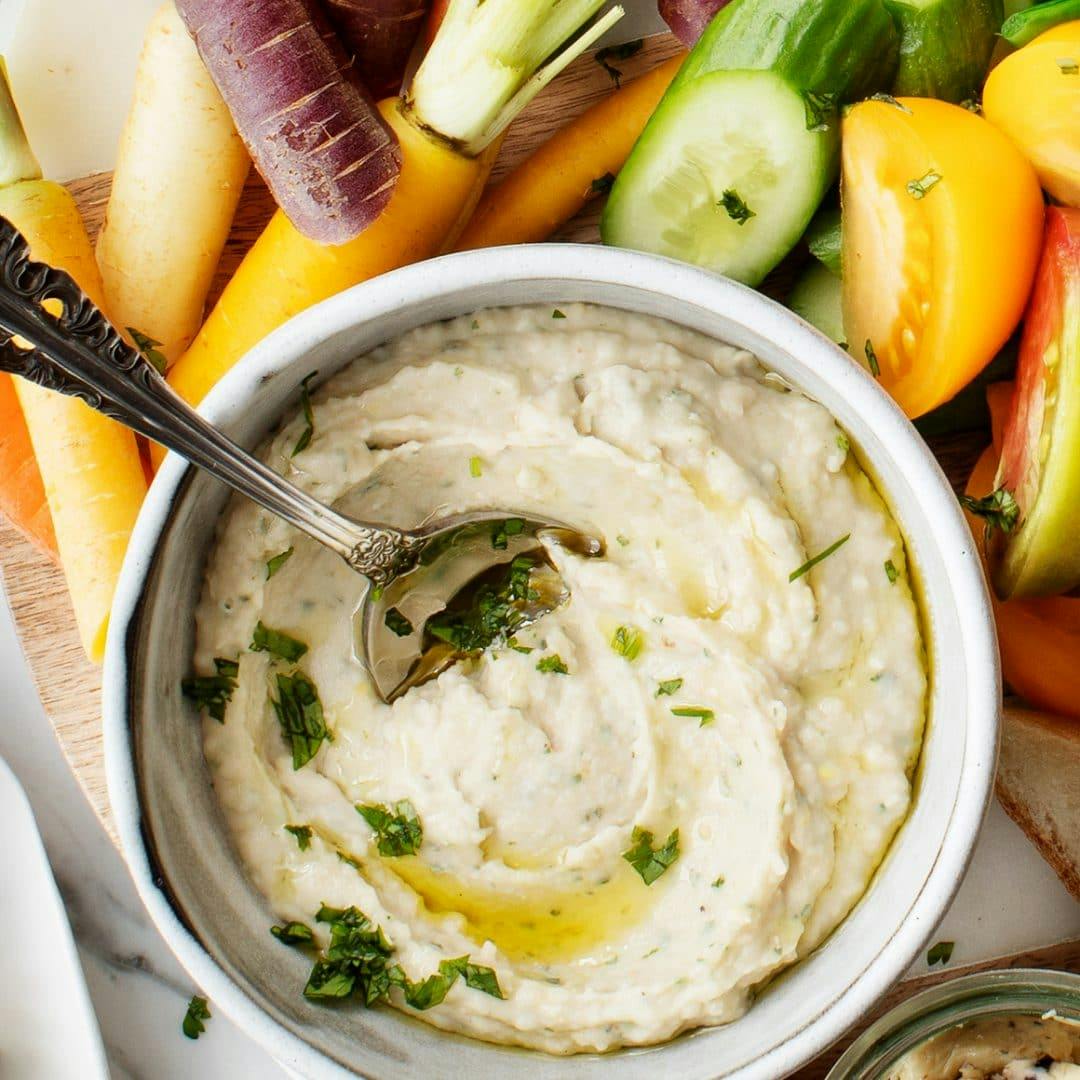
point(1034, 97)
point(942, 230)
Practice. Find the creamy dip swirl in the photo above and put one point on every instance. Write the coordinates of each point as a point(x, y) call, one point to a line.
point(711, 483)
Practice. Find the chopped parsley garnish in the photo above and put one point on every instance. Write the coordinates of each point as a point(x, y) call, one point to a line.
point(617, 52)
point(718, 882)
point(197, 1012)
point(651, 862)
point(621, 540)
point(476, 466)
point(300, 714)
point(918, 189)
point(309, 420)
point(941, 953)
point(293, 933)
point(501, 532)
point(212, 692)
point(476, 976)
point(1068, 65)
point(667, 687)
point(518, 647)
point(475, 326)
point(148, 348)
point(397, 622)
point(871, 359)
point(302, 834)
point(557, 314)
point(820, 557)
point(628, 641)
point(433, 990)
point(495, 611)
point(842, 442)
point(358, 960)
point(736, 209)
point(696, 712)
point(552, 665)
point(602, 184)
point(999, 510)
point(888, 99)
point(273, 565)
point(276, 643)
point(397, 828)
point(891, 572)
point(820, 110)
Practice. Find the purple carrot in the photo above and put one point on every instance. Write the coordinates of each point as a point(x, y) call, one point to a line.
point(381, 35)
point(301, 109)
point(688, 18)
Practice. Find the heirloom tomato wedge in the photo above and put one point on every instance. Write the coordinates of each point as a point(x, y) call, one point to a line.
point(942, 227)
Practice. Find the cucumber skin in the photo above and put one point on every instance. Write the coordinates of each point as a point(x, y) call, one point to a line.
point(945, 47)
point(848, 48)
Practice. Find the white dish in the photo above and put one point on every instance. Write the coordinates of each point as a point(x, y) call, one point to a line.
point(47, 1024)
point(170, 827)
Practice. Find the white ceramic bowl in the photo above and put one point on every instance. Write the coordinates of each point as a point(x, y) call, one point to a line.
point(177, 844)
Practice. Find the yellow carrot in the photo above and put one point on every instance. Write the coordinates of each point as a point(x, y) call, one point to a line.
point(481, 70)
point(550, 186)
point(93, 477)
point(179, 172)
point(285, 272)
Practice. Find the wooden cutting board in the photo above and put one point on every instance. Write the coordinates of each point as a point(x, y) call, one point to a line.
point(70, 686)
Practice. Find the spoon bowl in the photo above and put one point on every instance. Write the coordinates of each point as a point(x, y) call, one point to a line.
point(461, 559)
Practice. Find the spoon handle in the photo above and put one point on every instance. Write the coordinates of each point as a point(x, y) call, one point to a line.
point(81, 354)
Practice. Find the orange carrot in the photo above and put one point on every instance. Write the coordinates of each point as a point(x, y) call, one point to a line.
point(22, 494)
point(553, 184)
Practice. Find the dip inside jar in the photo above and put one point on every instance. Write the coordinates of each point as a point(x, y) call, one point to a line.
point(1014, 1047)
point(639, 808)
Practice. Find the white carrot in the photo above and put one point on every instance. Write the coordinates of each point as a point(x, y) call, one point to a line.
point(179, 172)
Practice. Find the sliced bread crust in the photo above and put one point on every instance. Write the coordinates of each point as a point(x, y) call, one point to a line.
point(1038, 784)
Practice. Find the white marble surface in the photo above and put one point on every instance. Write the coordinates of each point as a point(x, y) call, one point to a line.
point(75, 58)
point(139, 991)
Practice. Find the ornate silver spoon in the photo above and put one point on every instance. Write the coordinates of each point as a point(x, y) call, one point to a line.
point(447, 566)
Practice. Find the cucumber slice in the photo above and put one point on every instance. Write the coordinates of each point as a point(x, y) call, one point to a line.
point(816, 298)
point(726, 136)
point(945, 46)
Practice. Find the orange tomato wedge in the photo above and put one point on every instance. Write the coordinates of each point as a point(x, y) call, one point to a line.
point(942, 230)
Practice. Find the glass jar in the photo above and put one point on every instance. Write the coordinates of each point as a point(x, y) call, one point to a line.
point(1010, 992)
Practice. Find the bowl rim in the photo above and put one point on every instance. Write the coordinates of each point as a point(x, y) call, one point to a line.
point(576, 264)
